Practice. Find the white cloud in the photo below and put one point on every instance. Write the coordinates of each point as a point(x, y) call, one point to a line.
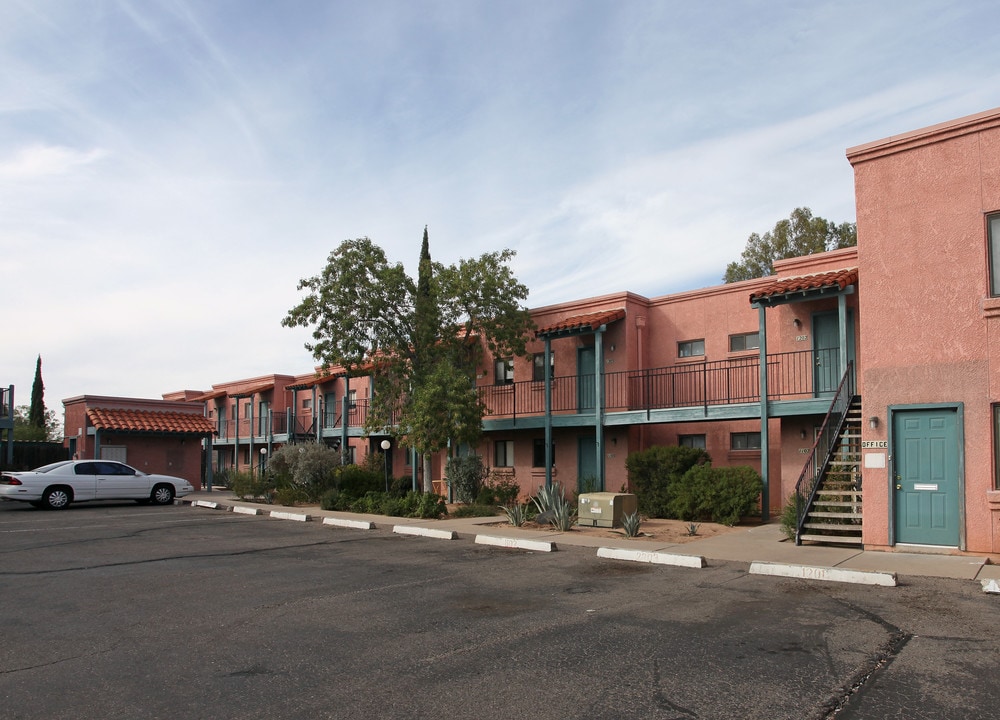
point(40, 161)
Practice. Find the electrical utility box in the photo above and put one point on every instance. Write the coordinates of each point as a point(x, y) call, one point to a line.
point(605, 509)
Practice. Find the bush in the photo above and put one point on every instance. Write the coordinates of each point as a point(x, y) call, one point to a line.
point(474, 510)
point(353, 481)
point(466, 474)
point(251, 486)
point(652, 472)
point(722, 495)
point(790, 515)
point(309, 467)
point(413, 504)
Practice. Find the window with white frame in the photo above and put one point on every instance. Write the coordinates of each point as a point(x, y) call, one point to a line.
point(691, 348)
point(503, 371)
point(744, 341)
point(307, 403)
point(993, 241)
point(503, 453)
point(744, 441)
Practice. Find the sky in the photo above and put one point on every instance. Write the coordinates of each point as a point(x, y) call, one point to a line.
point(170, 169)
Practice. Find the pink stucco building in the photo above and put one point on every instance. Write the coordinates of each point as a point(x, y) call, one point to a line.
point(928, 206)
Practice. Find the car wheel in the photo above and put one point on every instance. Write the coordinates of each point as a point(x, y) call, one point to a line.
point(162, 495)
point(56, 498)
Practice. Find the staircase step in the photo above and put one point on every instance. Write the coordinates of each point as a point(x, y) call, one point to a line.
point(835, 515)
point(836, 503)
point(852, 529)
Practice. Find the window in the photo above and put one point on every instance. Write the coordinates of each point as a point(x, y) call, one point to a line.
point(993, 239)
point(247, 410)
point(691, 348)
point(692, 441)
point(538, 366)
point(538, 453)
point(744, 341)
point(503, 453)
point(352, 398)
point(503, 372)
point(307, 403)
point(744, 441)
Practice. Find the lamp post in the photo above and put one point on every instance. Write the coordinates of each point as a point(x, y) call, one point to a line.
point(385, 445)
point(263, 459)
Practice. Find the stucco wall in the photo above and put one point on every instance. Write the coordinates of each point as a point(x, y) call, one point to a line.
point(922, 252)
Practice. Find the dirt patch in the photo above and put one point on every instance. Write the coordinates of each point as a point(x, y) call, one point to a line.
point(655, 529)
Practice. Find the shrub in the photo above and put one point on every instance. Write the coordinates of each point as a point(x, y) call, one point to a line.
point(790, 515)
point(652, 472)
point(505, 489)
point(354, 481)
point(251, 486)
point(722, 495)
point(311, 467)
point(474, 510)
point(413, 504)
point(466, 474)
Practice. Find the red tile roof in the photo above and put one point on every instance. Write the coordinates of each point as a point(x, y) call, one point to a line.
point(839, 279)
point(578, 323)
point(150, 421)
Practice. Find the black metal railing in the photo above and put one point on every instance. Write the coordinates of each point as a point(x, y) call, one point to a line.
point(818, 461)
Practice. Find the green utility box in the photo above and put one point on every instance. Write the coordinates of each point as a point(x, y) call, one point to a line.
point(605, 509)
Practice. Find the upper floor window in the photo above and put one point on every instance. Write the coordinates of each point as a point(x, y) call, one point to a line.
point(993, 239)
point(538, 366)
point(744, 441)
point(691, 348)
point(503, 372)
point(744, 341)
point(307, 403)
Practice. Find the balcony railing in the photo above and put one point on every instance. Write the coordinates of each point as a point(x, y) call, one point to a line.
point(790, 376)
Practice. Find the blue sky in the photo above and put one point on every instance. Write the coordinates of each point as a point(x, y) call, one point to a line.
point(169, 169)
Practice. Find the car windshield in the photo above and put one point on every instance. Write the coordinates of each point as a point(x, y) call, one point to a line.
point(51, 466)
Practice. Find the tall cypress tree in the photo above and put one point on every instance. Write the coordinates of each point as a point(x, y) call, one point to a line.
point(36, 414)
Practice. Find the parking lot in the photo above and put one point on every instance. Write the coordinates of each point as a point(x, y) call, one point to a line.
point(121, 611)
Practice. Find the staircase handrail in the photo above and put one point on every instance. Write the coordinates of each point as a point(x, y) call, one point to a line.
point(823, 446)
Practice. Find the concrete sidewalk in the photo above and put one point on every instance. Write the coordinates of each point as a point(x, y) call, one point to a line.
point(762, 546)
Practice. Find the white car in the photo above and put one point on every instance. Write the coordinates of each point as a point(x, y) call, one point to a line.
point(55, 486)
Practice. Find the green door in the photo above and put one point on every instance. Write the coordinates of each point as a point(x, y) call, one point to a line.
point(587, 477)
point(926, 487)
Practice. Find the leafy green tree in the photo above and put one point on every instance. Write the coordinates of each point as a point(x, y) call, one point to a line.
point(421, 342)
point(36, 415)
point(25, 430)
point(800, 234)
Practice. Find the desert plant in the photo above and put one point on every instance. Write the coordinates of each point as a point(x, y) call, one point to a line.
point(517, 514)
point(630, 524)
point(692, 529)
point(553, 507)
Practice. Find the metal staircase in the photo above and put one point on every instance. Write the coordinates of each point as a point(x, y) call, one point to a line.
point(828, 495)
point(834, 515)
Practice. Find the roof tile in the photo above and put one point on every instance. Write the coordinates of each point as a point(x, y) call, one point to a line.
point(124, 420)
point(590, 321)
point(835, 278)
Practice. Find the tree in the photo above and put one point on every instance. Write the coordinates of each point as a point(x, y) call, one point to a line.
point(421, 342)
point(25, 430)
point(36, 415)
point(800, 234)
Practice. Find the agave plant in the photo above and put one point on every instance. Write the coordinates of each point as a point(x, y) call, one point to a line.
point(516, 514)
point(692, 529)
point(553, 507)
point(630, 525)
